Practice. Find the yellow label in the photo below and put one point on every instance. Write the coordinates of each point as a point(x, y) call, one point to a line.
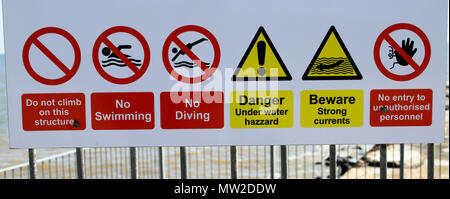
point(262, 109)
point(331, 108)
point(261, 60)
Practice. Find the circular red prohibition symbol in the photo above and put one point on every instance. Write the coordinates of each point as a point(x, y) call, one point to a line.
point(69, 72)
point(207, 71)
point(418, 69)
point(103, 38)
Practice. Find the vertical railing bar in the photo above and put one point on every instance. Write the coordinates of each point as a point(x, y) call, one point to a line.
point(196, 163)
point(304, 162)
point(123, 167)
point(383, 161)
point(63, 168)
point(204, 162)
point(116, 166)
point(211, 161)
point(176, 150)
point(183, 162)
point(241, 160)
point(96, 165)
point(430, 156)
point(175, 161)
point(357, 160)
point(233, 162)
point(189, 162)
point(152, 165)
point(332, 161)
point(79, 160)
point(154, 173)
point(249, 162)
point(90, 163)
point(109, 164)
point(393, 156)
point(154, 162)
point(410, 162)
point(365, 163)
point(348, 153)
point(128, 166)
point(421, 151)
point(313, 165)
point(402, 161)
point(56, 168)
point(101, 163)
point(106, 163)
point(148, 162)
point(70, 167)
point(321, 162)
point(145, 162)
point(142, 162)
point(283, 156)
point(161, 165)
point(272, 162)
point(257, 162)
point(265, 162)
point(50, 169)
point(226, 162)
point(32, 163)
point(296, 161)
point(440, 161)
point(84, 165)
point(219, 164)
point(133, 165)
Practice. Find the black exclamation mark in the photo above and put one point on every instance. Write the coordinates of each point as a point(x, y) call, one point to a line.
point(261, 57)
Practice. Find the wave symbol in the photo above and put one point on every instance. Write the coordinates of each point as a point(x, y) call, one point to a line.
point(119, 63)
point(188, 64)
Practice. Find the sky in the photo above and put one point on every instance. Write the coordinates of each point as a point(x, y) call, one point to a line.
point(2, 44)
point(2, 48)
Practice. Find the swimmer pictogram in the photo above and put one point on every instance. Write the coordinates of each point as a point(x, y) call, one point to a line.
point(200, 54)
point(114, 60)
point(114, 55)
point(179, 52)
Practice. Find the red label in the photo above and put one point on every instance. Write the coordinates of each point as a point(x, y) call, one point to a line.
point(52, 112)
point(113, 111)
point(192, 110)
point(407, 107)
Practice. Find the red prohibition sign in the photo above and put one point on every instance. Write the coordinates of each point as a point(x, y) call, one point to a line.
point(173, 37)
point(103, 38)
point(69, 72)
point(418, 69)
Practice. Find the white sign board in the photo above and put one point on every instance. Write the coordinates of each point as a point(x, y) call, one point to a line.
point(201, 72)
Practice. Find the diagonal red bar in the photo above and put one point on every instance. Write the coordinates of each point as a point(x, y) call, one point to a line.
point(119, 54)
point(189, 53)
point(402, 53)
point(51, 56)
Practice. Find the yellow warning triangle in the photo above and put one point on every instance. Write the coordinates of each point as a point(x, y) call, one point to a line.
point(261, 61)
point(332, 61)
